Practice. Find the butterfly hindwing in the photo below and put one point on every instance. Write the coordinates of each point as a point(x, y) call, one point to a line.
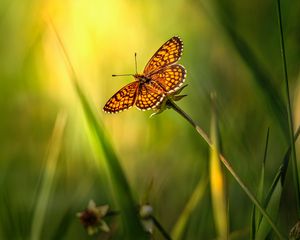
point(150, 95)
point(170, 78)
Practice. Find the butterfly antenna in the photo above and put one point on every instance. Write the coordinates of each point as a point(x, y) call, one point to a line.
point(120, 75)
point(128, 74)
point(135, 62)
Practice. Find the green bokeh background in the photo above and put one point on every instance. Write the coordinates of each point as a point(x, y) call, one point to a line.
point(101, 38)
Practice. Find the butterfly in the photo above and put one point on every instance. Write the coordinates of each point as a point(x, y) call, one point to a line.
point(161, 77)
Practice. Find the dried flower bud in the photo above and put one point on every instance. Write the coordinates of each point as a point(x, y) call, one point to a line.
point(92, 218)
point(145, 212)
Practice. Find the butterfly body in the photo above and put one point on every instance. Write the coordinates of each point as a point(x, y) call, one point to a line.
point(160, 77)
point(142, 78)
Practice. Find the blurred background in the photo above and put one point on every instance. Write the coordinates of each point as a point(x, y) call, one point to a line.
point(231, 48)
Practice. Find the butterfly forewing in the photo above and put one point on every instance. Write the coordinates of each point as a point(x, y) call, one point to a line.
point(123, 99)
point(167, 54)
point(170, 78)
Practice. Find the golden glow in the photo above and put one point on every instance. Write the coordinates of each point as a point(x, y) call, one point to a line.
point(95, 35)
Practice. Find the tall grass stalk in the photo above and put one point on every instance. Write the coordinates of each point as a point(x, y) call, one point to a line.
point(121, 189)
point(273, 198)
point(48, 177)
point(197, 195)
point(217, 180)
point(203, 134)
point(289, 108)
point(256, 215)
point(261, 76)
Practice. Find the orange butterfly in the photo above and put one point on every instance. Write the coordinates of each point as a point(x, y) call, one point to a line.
point(161, 77)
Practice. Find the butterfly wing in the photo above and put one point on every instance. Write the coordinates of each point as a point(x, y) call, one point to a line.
point(167, 54)
point(170, 78)
point(123, 99)
point(149, 96)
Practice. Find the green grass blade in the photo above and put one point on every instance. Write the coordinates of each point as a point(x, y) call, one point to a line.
point(205, 137)
point(48, 178)
point(274, 194)
point(289, 109)
point(194, 200)
point(272, 206)
point(256, 215)
point(217, 182)
point(9, 227)
point(63, 226)
point(261, 76)
point(122, 192)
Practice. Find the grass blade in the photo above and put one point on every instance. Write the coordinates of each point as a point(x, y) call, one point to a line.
point(272, 204)
point(9, 226)
point(48, 177)
point(180, 225)
point(203, 134)
point(256, 215)
point(260, 75)
point(217, 181)
point(122, 192)
point(274, 195)
point(289, 109)
point(61, 230)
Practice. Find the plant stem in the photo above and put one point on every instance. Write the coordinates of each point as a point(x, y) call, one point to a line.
point(203, 134)
point(289, 109)
point(190, 120)
point(160, 228)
